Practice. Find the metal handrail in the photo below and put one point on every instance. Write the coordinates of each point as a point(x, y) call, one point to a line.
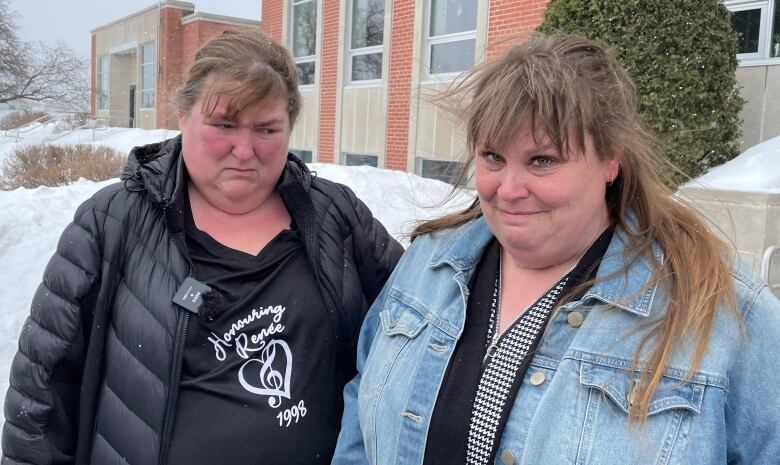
point(43, 120)
point(766, 259)
point(96, 124)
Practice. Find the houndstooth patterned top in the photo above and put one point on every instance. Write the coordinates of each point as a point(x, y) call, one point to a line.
point(501, 370)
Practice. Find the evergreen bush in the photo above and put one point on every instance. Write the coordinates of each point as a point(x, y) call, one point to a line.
point(682, 56)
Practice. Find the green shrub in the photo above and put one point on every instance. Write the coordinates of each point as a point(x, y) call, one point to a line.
point(19, 119)
point(57, 165)
point(682, 55)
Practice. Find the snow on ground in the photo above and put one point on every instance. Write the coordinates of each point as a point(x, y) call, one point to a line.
point(122, 139)
point(31, 220)
point(757, 169)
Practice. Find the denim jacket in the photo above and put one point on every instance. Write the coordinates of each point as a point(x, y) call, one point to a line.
point(729, 411)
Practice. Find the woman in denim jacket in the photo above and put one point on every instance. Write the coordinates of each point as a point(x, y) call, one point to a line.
point(575, 313)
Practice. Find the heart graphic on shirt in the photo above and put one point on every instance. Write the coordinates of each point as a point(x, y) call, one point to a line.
point(272, 375)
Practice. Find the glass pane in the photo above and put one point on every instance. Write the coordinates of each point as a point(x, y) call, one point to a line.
point(368, 23)
point(775, 51)
point(148, 53)
point(445, 171)
point(147, 81)
point(304, 155)
point(147, 99)
point(305, 73)
point(353, 159)
point(103, 82)
point(451, 16)
point(747, 23)
point(304, 29)
point(451, 57)
point(365, 67)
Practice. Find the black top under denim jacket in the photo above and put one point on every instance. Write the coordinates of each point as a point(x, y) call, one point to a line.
point(451, 430)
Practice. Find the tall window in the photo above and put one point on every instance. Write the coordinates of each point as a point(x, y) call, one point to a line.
point(147, 75)
point(757, 23)
point(452, 31)
point(102, 82)
point(367, 28)
point(304, 38)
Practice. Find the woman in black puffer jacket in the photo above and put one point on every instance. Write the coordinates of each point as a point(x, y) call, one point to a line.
point(205, 309)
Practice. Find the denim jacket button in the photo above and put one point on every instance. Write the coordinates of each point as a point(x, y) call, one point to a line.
point(575, 319)
point(507, 457)
point(537, 378)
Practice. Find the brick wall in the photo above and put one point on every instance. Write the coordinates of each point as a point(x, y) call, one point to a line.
point(399, 85)
point(169, 65)
point(273, 16)
point(93, 77)
point(328, 82)
point(196, 34)
point(512, 21)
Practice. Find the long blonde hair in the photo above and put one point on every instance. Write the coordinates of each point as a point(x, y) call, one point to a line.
point(569, 86)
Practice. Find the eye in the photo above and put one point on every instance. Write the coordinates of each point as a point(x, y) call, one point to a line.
point(222, 124)
point(491, 157)
point(543, 161)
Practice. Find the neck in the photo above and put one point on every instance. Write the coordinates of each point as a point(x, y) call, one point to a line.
point(249, 231)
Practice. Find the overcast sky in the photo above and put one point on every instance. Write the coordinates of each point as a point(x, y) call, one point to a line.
point(71, 20)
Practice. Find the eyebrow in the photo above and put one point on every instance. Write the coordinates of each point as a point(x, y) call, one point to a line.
point(270, 122)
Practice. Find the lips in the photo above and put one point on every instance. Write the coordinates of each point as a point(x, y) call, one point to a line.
point(519, 213)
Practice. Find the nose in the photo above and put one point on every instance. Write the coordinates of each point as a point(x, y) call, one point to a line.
point(514, 185)
point(243, 148)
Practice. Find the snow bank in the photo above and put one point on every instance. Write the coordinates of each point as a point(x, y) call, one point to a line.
point(757, 169)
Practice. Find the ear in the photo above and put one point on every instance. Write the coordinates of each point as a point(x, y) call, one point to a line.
point(182, 118)
point(612, 168)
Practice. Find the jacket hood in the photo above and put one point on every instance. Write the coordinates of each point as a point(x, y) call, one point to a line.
point(155, 168)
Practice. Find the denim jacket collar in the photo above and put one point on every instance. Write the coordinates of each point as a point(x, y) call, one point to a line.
point(628, 289)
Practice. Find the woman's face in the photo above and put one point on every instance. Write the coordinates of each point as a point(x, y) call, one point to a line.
point(545, 208)
point(235, 164)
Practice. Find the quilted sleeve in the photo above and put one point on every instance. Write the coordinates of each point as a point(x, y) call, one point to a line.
point(41, 405)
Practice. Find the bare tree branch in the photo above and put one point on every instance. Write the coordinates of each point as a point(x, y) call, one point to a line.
point(56, 74)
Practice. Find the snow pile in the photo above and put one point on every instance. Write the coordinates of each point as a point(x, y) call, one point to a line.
point(122, 139)
point(398, 200)
point(756, 170)
point(31, 220)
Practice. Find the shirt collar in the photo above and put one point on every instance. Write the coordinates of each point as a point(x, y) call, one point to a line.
point(628, 289)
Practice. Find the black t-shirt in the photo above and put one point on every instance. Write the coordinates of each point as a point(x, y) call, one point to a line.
point(259, 379)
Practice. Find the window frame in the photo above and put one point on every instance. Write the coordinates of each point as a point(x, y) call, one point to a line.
point(764, 53)
point(353, 52)
point(100, 91)
point(296, 152)
point(420, 160)
point(346, 155)
point(429, 42)
point(291, 41)
point(148, 65)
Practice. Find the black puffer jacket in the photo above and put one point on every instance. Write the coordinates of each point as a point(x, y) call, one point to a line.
point(96, 376)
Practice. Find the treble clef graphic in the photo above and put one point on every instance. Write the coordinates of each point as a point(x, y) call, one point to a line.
point(272, 382)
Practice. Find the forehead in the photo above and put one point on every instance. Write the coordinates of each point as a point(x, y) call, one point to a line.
point(228, 106)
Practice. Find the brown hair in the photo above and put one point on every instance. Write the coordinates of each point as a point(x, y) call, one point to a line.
point(248, 66)
point(568, 87)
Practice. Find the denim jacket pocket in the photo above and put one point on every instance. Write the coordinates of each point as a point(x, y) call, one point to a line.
point(607, 437)
point(399, 319)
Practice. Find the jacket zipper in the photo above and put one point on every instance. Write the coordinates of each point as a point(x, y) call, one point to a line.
point(179, 340)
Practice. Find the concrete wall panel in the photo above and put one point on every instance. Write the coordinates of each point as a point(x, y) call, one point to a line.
point(304, 135)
